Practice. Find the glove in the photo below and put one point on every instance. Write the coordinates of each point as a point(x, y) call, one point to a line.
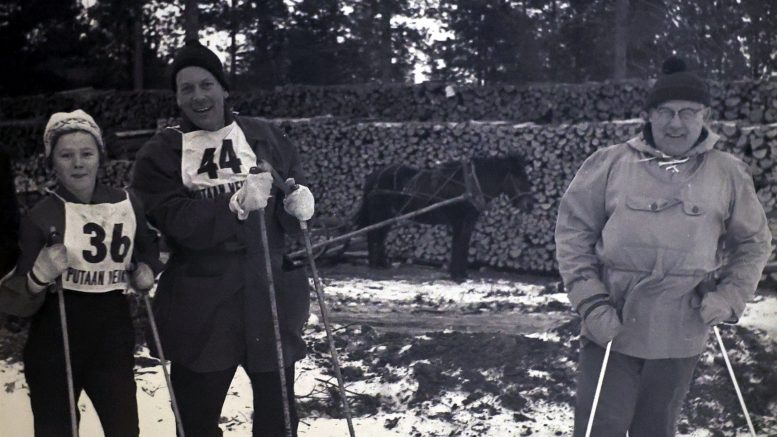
point(715, 309)
point(300, 202)
point(142, 278)
point(603, 324)
point(252, 195)
point(48, 266)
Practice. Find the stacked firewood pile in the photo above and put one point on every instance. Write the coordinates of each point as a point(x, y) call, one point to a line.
point(338, 154)
point(421, 125)
point(112, 110)
point(753, 101)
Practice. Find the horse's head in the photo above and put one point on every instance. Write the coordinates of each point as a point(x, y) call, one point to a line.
point(505, 175)
point(516, 183)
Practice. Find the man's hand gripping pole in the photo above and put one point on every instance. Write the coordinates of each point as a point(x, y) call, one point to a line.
point(288, 187)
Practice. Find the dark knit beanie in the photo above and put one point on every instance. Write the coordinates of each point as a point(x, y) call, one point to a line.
point(195, 54)
point(677, 83)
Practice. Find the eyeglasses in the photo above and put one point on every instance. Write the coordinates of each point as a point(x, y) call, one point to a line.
point(666, 115)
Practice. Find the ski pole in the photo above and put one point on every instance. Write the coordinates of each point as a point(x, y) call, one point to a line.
point(324, 313)
point(708, 285)
point(274, 310)
point(56, 238)
point(325, 317)
point(158, 344)
point(734, 380)
point(598, 389)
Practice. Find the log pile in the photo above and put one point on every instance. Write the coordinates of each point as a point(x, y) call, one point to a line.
point(754, 102)
point(338, 154)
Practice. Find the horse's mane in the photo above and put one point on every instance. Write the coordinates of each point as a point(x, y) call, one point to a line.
point(513, 163)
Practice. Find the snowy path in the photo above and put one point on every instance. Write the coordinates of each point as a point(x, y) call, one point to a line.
point(476, 299)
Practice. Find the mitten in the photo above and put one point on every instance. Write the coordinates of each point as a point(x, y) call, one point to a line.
point(142, 278)
point(252, 195)
point(715, 309)
point(48, 266)
point(300, 203)
point(603, 323)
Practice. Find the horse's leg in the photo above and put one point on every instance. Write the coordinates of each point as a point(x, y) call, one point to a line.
point(376, 239)
point(462, 234)
point(376, 247)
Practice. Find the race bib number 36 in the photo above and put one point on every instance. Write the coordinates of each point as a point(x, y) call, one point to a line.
point(99, 245)
point(214, 163)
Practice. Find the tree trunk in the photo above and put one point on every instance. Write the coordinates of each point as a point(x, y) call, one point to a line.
point(621, 38)
point(191, 20)
point(385, 42)
point(232, 42)
point(137, 56)
point(480, 58)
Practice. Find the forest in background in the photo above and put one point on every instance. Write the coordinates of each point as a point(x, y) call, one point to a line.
point(127, 44)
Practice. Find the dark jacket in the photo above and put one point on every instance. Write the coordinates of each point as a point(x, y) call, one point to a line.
point(212, 302)
point(34, 232)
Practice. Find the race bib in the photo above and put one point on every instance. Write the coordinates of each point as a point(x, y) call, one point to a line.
point(215, 163)
point(99, 241)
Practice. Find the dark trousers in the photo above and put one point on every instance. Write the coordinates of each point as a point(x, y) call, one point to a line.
point(102, 342)
point(201, 395)
point(640, 396)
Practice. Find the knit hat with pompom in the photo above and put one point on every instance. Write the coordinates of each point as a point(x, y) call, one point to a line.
point(677, 83)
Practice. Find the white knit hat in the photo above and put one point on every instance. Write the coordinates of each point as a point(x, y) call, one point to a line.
point(61, 123)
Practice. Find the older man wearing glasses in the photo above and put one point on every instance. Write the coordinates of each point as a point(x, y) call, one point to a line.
point(640, 227)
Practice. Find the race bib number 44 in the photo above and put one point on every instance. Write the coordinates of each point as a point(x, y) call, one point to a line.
point(213, 163)
point(99, 241)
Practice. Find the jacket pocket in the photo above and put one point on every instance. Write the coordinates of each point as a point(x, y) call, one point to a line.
point(692, 327)
point(650, 204)
point(692, 208)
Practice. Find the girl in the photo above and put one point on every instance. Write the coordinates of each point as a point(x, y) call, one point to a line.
point(83, 237)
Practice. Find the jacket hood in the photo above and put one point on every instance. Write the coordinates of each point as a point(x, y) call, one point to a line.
point(644, 143)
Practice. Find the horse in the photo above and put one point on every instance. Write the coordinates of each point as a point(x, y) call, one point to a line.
point(397, 189)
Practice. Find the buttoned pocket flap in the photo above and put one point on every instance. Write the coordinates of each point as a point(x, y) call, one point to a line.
point(650, 204)
point(692, 208)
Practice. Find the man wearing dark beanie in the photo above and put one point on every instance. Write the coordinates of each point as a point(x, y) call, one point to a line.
point(212, 303)
point(195, 54)
point(638, 241)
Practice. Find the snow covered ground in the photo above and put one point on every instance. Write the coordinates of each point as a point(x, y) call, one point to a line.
point(442, 415)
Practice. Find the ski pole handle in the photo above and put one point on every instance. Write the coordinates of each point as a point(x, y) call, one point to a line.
point(278, 181)
point(286, 186)
point(54, 237)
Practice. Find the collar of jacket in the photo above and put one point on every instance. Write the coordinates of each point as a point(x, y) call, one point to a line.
point(644, 143)
point(99, 195)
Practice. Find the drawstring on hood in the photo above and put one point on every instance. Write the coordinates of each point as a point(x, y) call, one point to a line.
point(646, 146)
point(668, 164)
